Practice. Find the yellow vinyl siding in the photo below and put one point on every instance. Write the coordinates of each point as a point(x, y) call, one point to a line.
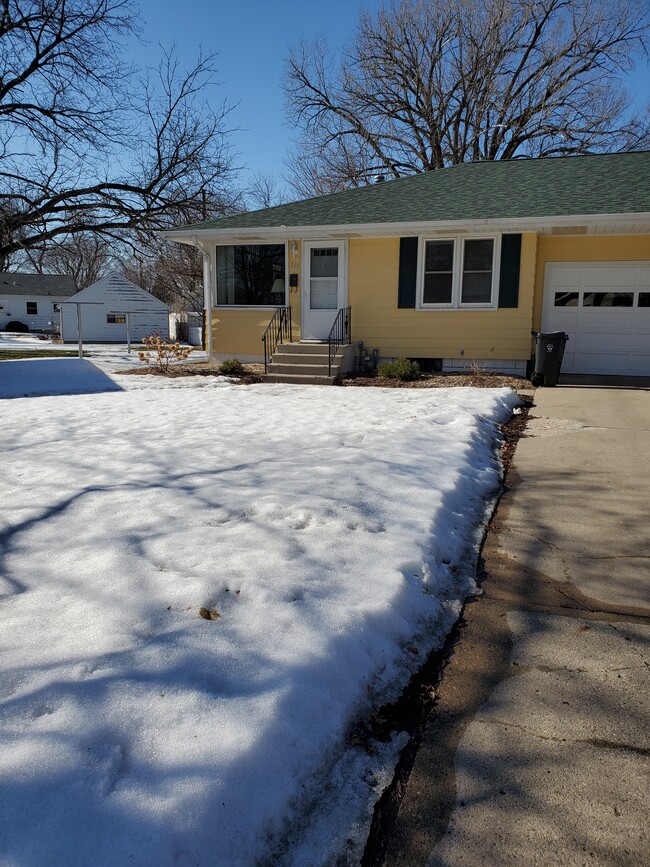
point(611, 248)
point(376, 319)
point(295, 294)
point(239, 332)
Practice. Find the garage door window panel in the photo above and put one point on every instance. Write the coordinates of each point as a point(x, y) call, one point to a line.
point(566, 299)
point(608, 299)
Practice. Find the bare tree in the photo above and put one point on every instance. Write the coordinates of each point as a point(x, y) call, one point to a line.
point(88, 144)
point(429, 83)
point(174, 272)
point(175, 275)
point(86, 258)
point(264, 191)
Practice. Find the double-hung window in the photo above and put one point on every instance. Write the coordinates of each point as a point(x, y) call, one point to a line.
point(459, 272)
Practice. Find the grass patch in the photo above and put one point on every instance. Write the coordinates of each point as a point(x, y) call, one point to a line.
point(15, 354)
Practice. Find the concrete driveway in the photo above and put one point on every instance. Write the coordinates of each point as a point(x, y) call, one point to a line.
point(538, 752)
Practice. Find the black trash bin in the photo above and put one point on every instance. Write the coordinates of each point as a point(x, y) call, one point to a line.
point(549, 352)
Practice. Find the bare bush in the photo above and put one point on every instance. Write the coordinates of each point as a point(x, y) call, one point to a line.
point(161, 354)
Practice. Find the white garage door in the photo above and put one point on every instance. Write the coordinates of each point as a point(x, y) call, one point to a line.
point(605, 309)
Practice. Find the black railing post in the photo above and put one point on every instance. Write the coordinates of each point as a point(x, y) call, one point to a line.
point(340, 333)
point(278, 328)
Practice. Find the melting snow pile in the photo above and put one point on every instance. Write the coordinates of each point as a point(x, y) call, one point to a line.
point(325, 532)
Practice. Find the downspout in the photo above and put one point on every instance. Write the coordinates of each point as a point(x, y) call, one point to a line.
point(207, 295)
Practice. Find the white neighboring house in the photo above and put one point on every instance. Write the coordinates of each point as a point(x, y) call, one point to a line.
point(104, 320)
point(31, 302)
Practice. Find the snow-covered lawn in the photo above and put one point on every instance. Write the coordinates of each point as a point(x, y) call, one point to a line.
point(332, 530)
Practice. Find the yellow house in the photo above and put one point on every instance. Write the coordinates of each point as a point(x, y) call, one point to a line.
point(452, 267)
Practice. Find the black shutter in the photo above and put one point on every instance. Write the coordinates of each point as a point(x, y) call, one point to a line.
point(509, 276)
point(408, 271)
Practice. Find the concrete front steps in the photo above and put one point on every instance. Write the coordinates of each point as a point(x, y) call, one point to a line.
point(307, 363)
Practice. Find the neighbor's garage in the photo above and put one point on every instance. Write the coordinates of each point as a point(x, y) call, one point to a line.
point(604, 307)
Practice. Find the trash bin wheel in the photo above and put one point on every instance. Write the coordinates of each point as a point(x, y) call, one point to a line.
point(537, 379)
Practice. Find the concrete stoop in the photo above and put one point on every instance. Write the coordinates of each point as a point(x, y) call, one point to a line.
point(308, 363)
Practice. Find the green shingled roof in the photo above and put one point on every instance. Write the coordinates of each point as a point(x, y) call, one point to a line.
point(555, 186)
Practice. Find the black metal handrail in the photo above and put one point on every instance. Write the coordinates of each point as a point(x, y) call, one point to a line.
point(340, 333)
point(279, 328)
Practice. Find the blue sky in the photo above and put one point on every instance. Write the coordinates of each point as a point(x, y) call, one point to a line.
point(252, 40)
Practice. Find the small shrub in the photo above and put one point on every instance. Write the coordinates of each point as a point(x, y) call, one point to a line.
point(402, 368)
point(232, 367)
point(159, 353)
point(477, 368)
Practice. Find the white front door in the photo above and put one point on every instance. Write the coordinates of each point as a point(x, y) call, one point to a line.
point(324, 287)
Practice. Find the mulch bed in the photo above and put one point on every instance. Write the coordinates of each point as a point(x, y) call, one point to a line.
point(255, 373)
point(471, 379)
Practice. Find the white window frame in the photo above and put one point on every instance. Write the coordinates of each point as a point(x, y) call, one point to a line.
point(457, 273)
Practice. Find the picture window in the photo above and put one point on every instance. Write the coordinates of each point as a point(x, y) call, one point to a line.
point(251, 275)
